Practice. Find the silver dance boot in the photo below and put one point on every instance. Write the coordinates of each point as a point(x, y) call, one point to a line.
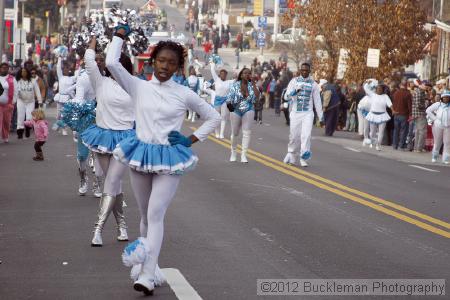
point(122, 234)
point(83, 187)
point(97, 186)
point(107, 203)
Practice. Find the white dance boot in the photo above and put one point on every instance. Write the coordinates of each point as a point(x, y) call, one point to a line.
point(233, 156)
point(83, 187)
point(290, 158)
point(246, 135)
point(107, 203)
point(97, 186)
point(222, 129)
point(159, 280)
point(216, 132)
point(122, 234)
point(145, 282)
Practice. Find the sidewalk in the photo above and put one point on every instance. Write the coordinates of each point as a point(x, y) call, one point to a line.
point(352, 142)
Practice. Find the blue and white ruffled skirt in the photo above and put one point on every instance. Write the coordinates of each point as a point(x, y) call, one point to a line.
point(155, 158)
point(102, 140)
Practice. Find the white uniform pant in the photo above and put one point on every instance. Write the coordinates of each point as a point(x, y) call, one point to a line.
point(300, 132)
point(366, 128)
point(59, 108)
point(441, 135)
point(224, 115)
point(113, 170)
point(361, 120)
point(153, 194)
point(24, 110)
point(374, 128)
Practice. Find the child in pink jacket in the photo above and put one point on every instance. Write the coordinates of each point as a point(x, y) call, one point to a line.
point(40, 127)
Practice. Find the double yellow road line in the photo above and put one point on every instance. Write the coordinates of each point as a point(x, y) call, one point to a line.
point(387, 207)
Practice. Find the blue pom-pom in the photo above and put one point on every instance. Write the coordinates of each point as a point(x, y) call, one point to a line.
point(78, 116)
point(306, 155)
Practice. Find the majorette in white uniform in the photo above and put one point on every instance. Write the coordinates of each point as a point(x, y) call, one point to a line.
point(377, 115)
point(66, 88)
point(155, 164)
point(193, 82)
point(114, 122)
point(221, 87)
point(304, 96)
point(242, 116)
point(77, 114)
point(439, 114)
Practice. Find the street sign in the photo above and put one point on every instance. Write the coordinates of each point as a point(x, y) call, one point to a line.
point(262, 22)
point(261, 41)
point(373, 58)
point(261, 35)
point(10, 14)
point(342, 64)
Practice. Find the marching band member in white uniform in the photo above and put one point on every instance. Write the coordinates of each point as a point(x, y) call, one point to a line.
point(304, 96)
point(364, 108)
point(222, 87)
point(159, 153)
point(439, 113)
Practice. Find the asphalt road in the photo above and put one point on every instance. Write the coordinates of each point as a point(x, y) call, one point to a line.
point(349, 215)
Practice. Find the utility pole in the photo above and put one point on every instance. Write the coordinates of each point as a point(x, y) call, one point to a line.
point(276, 21)
point(23, 12)
point(47, 14)
point(221, 11)
point(88, 7)
point(2, 28)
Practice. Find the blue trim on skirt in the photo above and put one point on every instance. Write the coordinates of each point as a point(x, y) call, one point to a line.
point(102, 140)
point(155, 158)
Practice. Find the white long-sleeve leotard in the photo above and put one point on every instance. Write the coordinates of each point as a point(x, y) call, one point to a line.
point(222, 87)
point(115, 108)
point(83, 89)
point(160, 106)
point(66, 84)
point(378, 103)
point(439, 113)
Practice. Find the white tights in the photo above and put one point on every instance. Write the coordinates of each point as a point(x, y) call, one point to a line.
point(245, 122)
point(114, 170)
point(373, 132)
point(153, 194)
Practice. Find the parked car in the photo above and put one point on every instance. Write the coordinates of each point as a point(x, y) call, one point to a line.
point(289, 35)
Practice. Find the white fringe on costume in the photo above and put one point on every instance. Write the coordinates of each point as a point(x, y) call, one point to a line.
point(378, 118)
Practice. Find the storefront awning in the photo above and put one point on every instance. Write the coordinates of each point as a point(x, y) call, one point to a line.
point(442, 25)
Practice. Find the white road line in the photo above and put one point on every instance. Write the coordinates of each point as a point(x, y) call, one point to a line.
point(352, 149)
point(423, 168)
point(179, 285)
